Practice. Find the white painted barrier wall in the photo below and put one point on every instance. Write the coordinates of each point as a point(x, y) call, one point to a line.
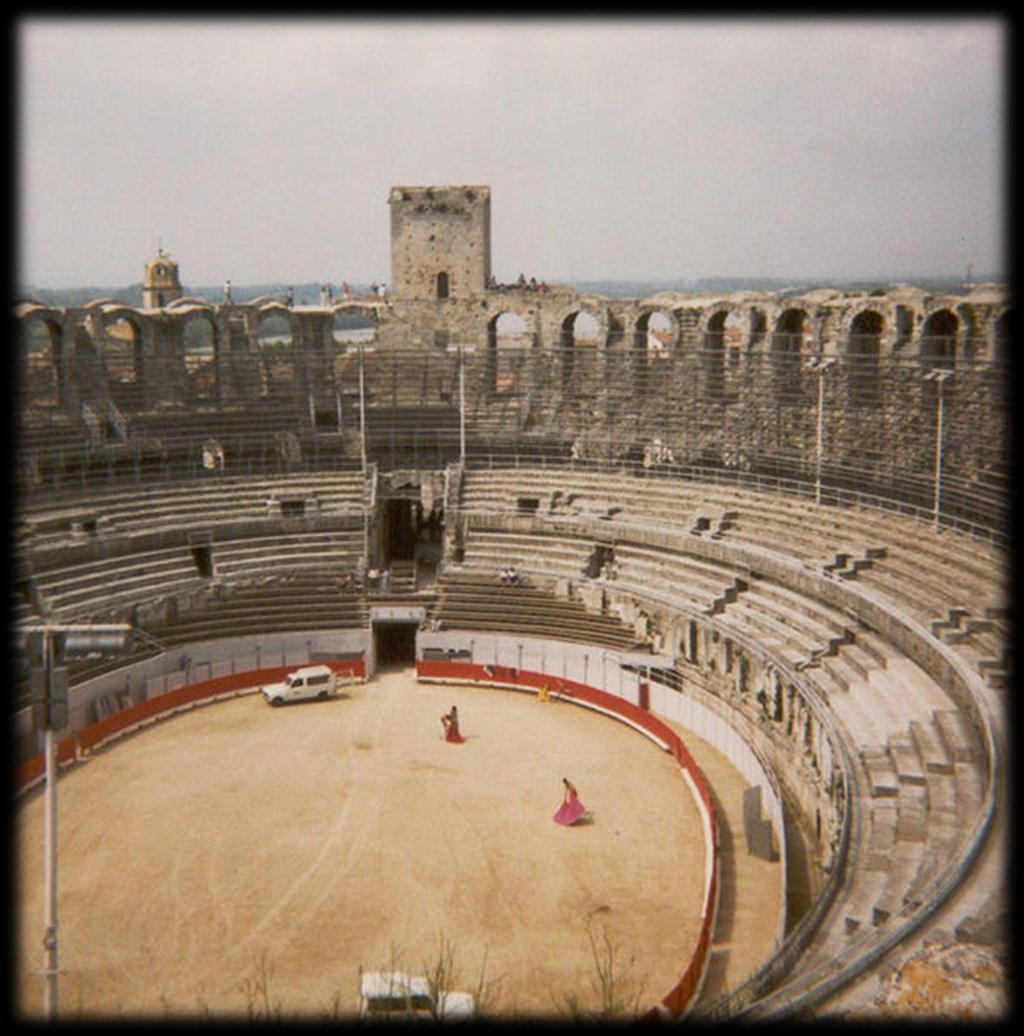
point(194, 663)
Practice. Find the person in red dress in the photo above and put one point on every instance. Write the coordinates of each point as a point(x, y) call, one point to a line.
point(450, 722)
point(571, 808)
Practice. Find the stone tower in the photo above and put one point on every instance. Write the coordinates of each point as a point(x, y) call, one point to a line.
point(440, 241)
point(160, 284)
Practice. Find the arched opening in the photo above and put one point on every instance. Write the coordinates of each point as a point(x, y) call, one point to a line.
point(122, 361)
point(442, 285)
point(509, 342)
point(277, 354)
point(938, 339)
point(41, 372)
point(787, 356)
point(200, 338)
point(580, 339)
point(713, 349)
point(937, 351)
point(863, 351)
point(654, 341)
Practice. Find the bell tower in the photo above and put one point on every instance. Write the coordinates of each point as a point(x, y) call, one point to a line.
point(160, 284)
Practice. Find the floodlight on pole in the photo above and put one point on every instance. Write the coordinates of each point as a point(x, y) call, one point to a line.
point(940, 376)
point(462, 350)
point(49, 686)
point(820, 364)
point(363, 349)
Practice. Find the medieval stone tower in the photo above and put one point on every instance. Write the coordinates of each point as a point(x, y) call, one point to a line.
point(440, 241)
point(160, 284)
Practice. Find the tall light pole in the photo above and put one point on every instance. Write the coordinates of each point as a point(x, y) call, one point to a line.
point(462, 350)
point(49, 698)
point(941, 376)
point(362, 402)
point(820, 364)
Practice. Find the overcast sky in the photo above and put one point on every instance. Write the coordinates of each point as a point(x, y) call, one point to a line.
point(626, 150)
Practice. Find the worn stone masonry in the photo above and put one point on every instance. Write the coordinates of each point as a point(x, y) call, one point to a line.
point(715, 379)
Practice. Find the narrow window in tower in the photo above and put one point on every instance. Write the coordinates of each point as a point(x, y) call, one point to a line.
point(442, 285)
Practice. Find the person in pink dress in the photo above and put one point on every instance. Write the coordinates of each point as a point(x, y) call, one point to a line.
point(450, 722)
point(571, 808)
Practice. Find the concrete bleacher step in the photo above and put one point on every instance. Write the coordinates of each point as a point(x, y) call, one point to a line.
point(848, 564)
point(932, 751)
point(728, 595)
point(970, 779)
point(904, 864)
point(906, 760)
point(945, 830)
point(883, 779)
point(858, 909)
point(958, 736)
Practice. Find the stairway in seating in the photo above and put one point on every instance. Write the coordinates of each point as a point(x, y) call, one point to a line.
point(401, 585)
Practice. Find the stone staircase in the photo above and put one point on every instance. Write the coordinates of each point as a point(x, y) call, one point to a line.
point(923, 784)
point(727, 596)
point(845, 565)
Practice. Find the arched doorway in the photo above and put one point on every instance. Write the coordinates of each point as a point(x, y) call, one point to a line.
point(863, 351)
point(655, 337)
point(937, 345)
point(713, 350)
point(509, 344)
point(201, 376)
point(277, 354)
point(787, 356)
point(40, 368)
point(580, 344)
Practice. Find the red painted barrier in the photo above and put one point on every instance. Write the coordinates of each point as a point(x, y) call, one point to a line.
point(676, 1001)
point(88, 738)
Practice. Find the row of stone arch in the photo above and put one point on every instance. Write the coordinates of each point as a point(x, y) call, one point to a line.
point(118, 337)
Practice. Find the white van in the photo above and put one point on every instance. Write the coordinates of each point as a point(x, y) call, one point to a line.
point(312, 681)
point(385, 995)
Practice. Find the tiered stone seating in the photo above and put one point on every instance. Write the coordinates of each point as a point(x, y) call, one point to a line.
point(554, 555)
point(285, 604)
point(670, 577)
point(94, 587)
point(187, 505)
point(899, 557)
point(922, 770)
point(335, 552)
point(479, 600)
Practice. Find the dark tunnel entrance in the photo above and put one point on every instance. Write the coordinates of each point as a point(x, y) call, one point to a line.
point(395, 644)
point(400, 528)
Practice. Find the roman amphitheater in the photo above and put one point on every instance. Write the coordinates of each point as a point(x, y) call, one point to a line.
point(736, 565)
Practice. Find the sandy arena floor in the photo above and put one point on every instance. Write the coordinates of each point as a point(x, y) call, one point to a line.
point(239, 841)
